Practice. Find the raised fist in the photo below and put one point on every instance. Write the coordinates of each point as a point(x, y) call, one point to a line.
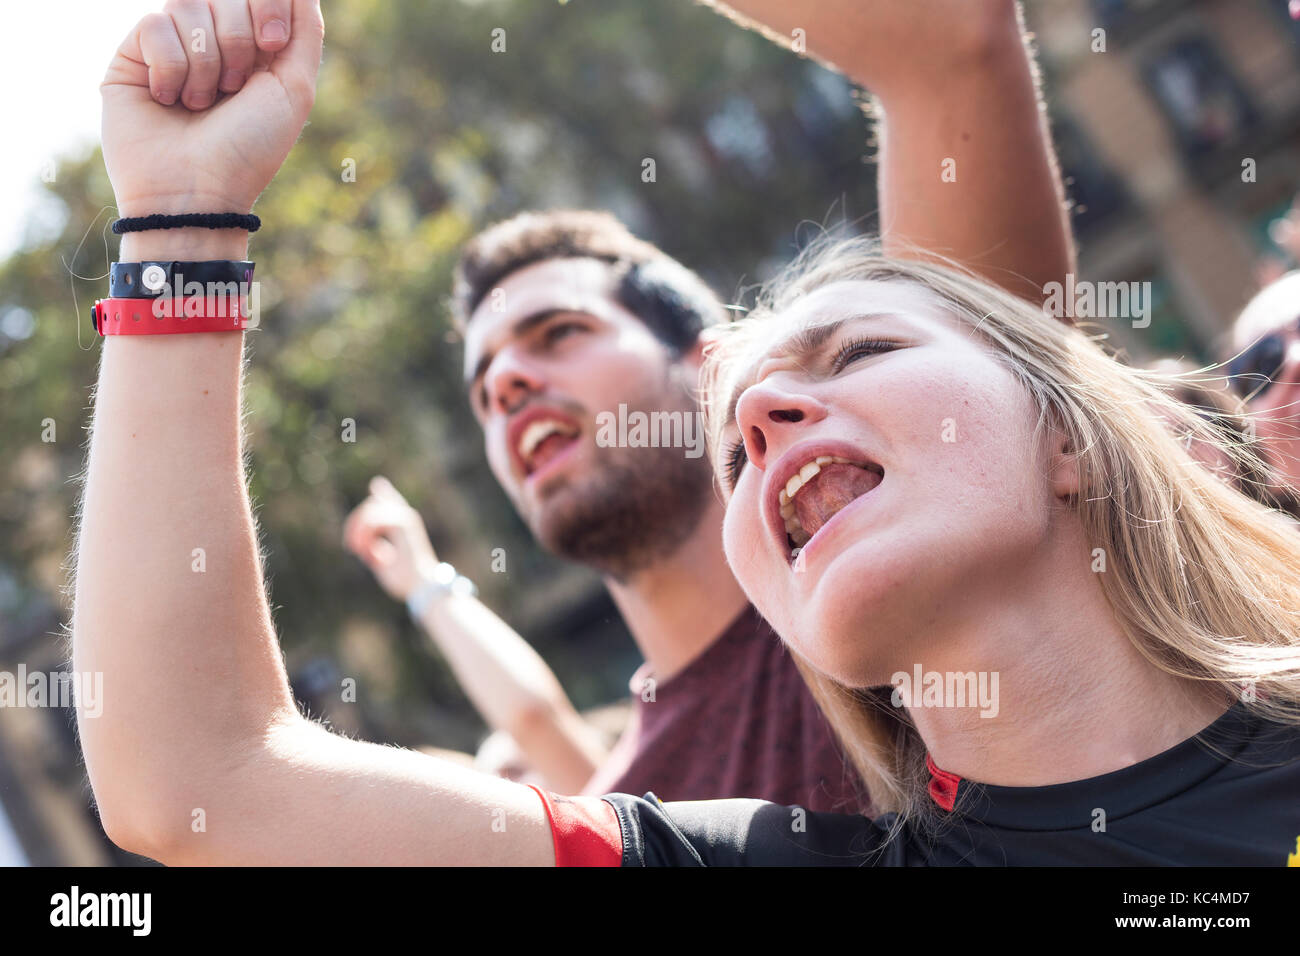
point(203, 101)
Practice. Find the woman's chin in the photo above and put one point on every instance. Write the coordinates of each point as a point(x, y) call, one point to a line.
point(849, 622)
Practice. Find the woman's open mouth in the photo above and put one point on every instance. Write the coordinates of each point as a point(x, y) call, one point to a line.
point(811, 486)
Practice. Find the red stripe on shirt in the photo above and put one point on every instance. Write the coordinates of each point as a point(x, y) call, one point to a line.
point(585, 830)
point(943, 785)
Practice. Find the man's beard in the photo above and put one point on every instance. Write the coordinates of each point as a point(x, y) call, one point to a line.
point(636, 508)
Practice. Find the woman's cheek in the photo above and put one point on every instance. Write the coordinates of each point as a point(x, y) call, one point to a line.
point(730, 545)
point(741, 540)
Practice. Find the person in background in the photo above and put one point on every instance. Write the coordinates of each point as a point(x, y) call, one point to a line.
point(1263, 365)
point(1211, 396)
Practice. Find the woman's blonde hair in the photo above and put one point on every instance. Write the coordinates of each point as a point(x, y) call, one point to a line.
point(1204, 581)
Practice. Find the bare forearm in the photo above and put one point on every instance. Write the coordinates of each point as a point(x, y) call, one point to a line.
point(967, 171)
point(515, 691)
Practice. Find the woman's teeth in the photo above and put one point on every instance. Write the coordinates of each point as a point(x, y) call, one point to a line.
point(835, 484)
point(793, 528)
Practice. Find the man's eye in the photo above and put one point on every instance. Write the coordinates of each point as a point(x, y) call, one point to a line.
point(859, 348)
point(735, 459)
point(559, 330)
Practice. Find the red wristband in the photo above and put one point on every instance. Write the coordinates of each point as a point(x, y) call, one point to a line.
point(167, 317)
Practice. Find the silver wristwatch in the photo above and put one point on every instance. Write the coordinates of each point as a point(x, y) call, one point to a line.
point(443, 582)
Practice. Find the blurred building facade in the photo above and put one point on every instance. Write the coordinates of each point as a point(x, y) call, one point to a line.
point(1178, 123)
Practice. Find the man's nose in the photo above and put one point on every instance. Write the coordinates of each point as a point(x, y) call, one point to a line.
point(510, 380)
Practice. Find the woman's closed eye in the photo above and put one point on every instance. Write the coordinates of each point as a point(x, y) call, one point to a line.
point(856, 349)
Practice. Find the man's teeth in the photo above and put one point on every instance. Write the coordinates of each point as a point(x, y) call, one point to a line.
point(793, 528)
point(537, 432)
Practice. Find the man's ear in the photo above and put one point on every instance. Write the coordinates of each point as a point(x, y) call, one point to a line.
point(694, 355)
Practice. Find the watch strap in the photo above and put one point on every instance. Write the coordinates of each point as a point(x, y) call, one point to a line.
point(443, 582)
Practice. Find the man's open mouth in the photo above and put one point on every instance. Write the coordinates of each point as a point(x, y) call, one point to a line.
point(541, 439)
point(820, 489)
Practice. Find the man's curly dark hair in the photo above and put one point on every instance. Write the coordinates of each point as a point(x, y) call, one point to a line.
point(670, 299)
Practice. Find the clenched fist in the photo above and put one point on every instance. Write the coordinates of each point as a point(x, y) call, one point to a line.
point(203, 101)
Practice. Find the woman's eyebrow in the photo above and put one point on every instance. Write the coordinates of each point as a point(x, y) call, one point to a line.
point(802, 344)
point(807, 341)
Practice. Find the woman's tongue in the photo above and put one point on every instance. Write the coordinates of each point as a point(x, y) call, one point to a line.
point(830, 490)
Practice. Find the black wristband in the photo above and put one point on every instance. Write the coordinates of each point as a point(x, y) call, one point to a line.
point(189, 220)
point(148, 280)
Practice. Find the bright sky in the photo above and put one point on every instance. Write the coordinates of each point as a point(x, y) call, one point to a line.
point(52, 56)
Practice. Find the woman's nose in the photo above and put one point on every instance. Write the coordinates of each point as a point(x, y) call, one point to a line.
point(772, 417)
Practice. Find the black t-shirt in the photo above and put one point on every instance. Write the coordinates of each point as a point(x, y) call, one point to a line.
point(1229, 796)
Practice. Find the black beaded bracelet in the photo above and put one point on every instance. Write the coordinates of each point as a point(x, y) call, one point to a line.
point(203, 220)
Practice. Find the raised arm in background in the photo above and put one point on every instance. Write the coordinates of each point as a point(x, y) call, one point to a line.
point(966, 165)
point(504, 677)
